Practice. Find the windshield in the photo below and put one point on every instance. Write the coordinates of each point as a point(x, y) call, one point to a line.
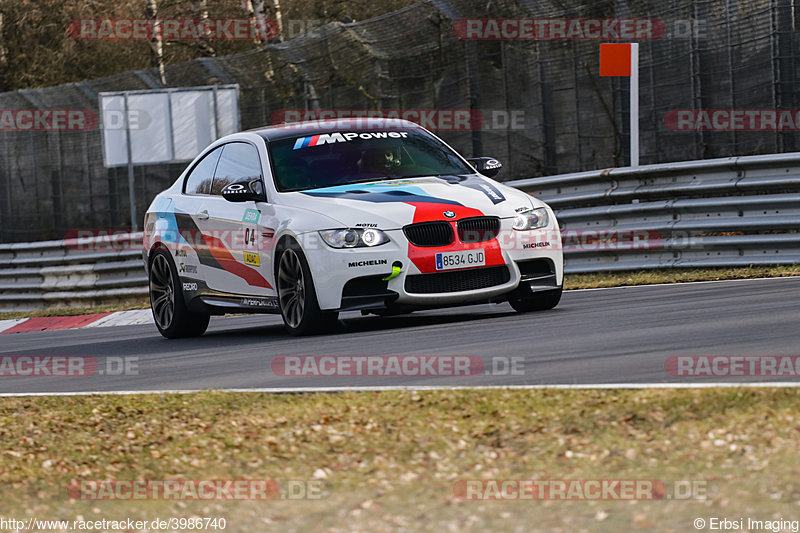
point(338, 158)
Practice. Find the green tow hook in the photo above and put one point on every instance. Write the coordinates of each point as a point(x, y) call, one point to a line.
point(397, 267)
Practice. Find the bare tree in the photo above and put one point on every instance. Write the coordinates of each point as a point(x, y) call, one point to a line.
point(278, 18)
point(258, 17)
point(3, 51)
point(200, 11)
point(157, 41)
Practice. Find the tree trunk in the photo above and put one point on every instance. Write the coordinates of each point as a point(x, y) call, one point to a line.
point(278, 18)
point(157, 42)
point(200, 11)
point(4, 82)
point(3, 52)
point(258, 18)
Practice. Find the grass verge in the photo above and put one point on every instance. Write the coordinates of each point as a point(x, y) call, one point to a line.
point(389, 460)
point(675, 275)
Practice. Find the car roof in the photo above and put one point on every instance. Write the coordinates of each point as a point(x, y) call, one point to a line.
point(314, 127)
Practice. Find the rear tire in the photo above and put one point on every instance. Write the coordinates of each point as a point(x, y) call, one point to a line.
point(538, 301)
point(170, 314)
point(297, 296)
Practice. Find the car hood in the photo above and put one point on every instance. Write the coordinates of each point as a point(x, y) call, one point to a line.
point(391, 204)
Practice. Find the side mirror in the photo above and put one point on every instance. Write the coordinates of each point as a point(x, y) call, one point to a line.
point(243, 191)
point(488, 166)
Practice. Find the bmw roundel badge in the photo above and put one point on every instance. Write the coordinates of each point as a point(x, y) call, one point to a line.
point(449, 214)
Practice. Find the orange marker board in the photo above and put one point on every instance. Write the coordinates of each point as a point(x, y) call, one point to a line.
point(615, 59)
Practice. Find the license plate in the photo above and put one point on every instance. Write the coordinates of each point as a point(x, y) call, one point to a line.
point(465, 259)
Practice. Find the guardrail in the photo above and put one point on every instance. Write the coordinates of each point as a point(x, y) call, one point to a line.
point(71, 272)
point(728, 212)
point(715, 213)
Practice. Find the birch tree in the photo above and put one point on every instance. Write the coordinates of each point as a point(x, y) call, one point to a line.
point(157, 41)
point(200, 11)
point(3, 53)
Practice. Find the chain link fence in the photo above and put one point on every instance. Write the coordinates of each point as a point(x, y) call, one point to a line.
point(536, 104)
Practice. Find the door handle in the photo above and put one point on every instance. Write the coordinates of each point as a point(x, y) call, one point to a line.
point(203, 215)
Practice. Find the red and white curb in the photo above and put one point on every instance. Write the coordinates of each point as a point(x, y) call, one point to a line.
point(96, 320)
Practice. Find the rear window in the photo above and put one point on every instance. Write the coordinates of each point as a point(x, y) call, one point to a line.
point(239, 162)
point(202, 175)
point(336, 158)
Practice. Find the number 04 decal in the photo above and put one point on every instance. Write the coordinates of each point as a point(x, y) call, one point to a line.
point(249, 237)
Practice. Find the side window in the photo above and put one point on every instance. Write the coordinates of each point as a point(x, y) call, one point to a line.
point(239, 162)
point(199, 179)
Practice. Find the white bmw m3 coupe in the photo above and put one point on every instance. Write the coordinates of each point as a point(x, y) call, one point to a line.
point(314, 218)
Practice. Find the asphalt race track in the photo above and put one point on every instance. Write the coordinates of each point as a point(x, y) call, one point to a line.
point(620, 335)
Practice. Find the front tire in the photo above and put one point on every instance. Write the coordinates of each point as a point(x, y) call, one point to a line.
point(537, 301)
point(297, 297)
point(171, 316)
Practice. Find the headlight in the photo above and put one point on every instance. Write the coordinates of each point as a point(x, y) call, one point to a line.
point(353, 237)
point(535, 218)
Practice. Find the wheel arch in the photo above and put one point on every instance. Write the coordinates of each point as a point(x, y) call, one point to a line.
point(284, 241)
point(159, 245)
point(156, 246)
